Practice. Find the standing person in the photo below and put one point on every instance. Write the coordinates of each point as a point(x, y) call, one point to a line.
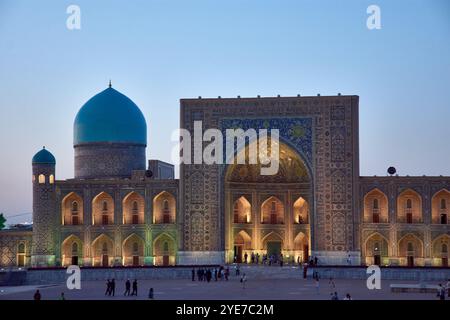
point(108, 287)
point(316, 261)
point(448, 288)
point(127, 288)
point(245, 257)
point(257, 258)
point(62, 297)
point(305, 270)
point(134, 293)
point(193, 274)
point(441, 292)
point(238, 270)
point(150, 293)
point(37, 295)
point(215, 274)
point(243, 280)
point(113, 287)
point(252, 258)
point(348, 297)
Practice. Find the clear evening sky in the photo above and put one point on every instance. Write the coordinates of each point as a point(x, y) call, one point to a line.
point(159, 51)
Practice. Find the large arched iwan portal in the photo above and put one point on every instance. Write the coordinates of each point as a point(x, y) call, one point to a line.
point(268, 214)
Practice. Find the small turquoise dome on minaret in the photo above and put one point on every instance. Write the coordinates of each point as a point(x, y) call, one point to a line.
point(110, 117)
point(43, 157)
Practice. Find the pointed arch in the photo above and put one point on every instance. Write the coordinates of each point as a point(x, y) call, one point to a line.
point(376, 249)
point(272, 236)
point(133, 248)
point(103, 209)
point(410, 248)
point(164, 208)
point(272, 211)
point(301, 247)
point(409, 207)
point(376, 207)
point(301, 211)
point(164, 250)
point(440, 207)
point(133, 206)
point(72, 209)
point(71, 251)
point(102, 251)
point(242, 210)
point(441, 250)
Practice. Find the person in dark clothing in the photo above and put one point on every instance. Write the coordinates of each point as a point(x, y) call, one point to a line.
point(215, 274)
point(199, 273)
point(315, 261)
point(135, 287)
point(127, 288)
point(113, 288)
point(305, 270)
point(37, 295)
point(108, 287)
point(193, 274)
point(150, 293)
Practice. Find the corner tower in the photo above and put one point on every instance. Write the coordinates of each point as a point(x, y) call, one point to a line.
point(110, 137)
point(44, 215)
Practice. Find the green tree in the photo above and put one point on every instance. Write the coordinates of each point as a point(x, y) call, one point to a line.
point(2, 221)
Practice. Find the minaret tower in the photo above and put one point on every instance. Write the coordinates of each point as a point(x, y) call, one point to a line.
point(44, 206)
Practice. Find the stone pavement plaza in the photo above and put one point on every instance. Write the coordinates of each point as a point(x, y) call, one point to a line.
point(185, 289)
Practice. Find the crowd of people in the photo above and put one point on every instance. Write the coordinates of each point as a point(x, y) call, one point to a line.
point(207, 274)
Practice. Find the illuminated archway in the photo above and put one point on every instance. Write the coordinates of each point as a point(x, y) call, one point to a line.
point(441, 250)
point(410, 249)
point(164, 250)
point(278, 202)
point(72, 209)
point(242, 210)
point(102, 251)
point(376, 207)
point(376, 249)
point(301, 211)
point(72, 251)
point(133, 208)
point(409, 207)
point(242, 246)
point(133, 251)
point(440, 207)
point(102, 209)
point(164, 208)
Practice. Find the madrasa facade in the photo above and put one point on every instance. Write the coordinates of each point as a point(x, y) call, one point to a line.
point(120, 210)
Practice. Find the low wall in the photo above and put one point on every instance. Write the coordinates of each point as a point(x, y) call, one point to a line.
point(59, 275)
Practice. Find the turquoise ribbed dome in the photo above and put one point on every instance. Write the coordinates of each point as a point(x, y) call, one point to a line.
point(110, 116)
point(43, 157)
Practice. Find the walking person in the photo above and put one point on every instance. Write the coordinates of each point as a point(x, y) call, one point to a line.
point(108, 287)
point(135, 287)
point(112, 291)
point(243, 280)
point(37, 296)
point(127, 288)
